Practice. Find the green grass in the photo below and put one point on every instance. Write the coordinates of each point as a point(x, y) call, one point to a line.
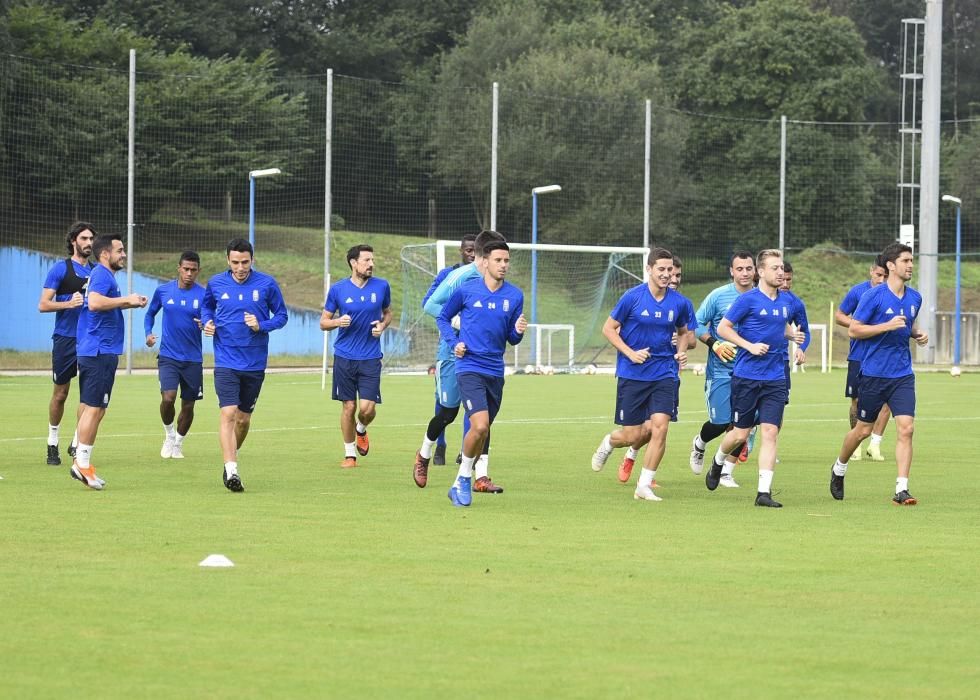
point(358, 584)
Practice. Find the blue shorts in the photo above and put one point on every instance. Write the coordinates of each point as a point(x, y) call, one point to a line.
point(677, 401)
point(96, 375)
point(187, 376)
point(447, 387)
point(718, 397)
point(356, 378)
point(853, 387)
point(898, 393)
point(64, 364)
point(637, 400)
point(237, 388)
point(756, 401)
point(481, 392)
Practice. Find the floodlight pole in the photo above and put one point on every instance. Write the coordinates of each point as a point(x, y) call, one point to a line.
point(251, 199)
point(534, 253)
point(956, 313)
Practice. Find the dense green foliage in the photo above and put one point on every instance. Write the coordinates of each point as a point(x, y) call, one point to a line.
point(226, 85)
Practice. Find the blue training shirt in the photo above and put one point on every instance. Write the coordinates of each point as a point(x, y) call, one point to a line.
point(101, 332)
point(180, 336)
point(887, 355)
point(797, 315)
point(364, 305)
point(760, 319)
point(648, 323)
point(487, 324)
point(847, 306)
point(709, 315)
point(236, 346)
point(66, 320)
point(439, 294)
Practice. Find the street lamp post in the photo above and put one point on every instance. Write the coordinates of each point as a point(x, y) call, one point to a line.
point(956, 313)
point(534, 253)
point(251, 199)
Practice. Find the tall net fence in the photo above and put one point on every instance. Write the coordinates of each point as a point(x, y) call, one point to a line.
point(413, 161)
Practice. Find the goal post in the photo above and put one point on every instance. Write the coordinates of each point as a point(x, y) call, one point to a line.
point(577, 287)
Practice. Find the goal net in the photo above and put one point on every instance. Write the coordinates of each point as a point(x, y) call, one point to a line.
point(573, 289)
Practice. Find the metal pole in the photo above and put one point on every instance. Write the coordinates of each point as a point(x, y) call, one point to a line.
point(956, 316)
point(130, 203)
point(493, 157)
point(782, 182)
point(929, 174)
point(327, 213)
point(646, 179)
point(534, 258)
point(251, 211)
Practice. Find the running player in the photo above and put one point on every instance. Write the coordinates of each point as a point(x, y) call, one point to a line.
point(876, 275)
point(885, 320)
point(101, 336)
point(437, 299)
point(180, 364)
point(491, 315)
point(718, 374)
point(63, 293)
point(467, 253)
point(649, 329)
point(241, 307)
point(360, 306)
point(758, 381)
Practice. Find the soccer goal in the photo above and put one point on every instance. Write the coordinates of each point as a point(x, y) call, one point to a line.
point(570, 287)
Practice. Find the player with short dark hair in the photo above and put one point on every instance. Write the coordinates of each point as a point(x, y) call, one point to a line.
point(445, 373)
point(491, 316)
point(180, 364)
point(241, 307)
point(649, 328)
point(360, 306)
point(877, 273)
point(101, 337)
point(433, 306)
point(885, 320)
point(718, 372)
point(758, 389)
point(63, 293)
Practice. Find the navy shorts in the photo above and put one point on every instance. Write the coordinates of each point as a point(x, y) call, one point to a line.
point(96, 375)
point(898, 393)
point(852, 390)
point(637, 400)
point(789, 373)
point(64, 364)
point(237, 388)
point(756, 401)
point(481, 392)
point(356, 378)
point(187, 376)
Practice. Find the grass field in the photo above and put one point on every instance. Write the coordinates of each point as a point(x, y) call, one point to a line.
point(358, 584)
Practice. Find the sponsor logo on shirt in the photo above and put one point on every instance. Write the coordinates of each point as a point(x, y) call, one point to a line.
point(762, 312)
point(645, 313)
point(348, 300)
point(225, 296)
point(170, 301)
point(477, 305)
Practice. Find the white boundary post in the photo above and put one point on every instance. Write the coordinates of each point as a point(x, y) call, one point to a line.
point(646, 179)
point(782, 182)
point(130, 203)
point(493, 158)
point(327, 212)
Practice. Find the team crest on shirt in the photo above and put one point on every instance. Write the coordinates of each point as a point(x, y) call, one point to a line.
point(374, 298)
point(506, 305)
point(255, 295)
point(912, 309)
point(670, 315)
point(194, 304)
point(785, 314)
